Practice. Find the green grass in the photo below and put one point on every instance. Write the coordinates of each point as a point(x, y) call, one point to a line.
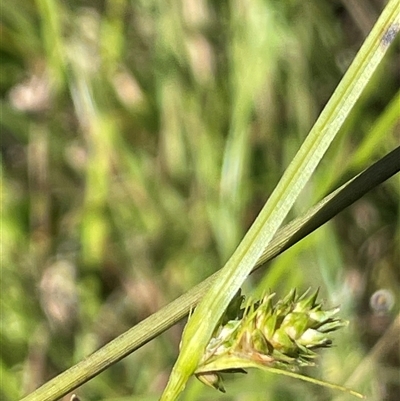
point(167, 129)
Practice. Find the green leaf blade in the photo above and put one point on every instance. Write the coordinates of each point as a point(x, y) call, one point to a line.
point(200, 327)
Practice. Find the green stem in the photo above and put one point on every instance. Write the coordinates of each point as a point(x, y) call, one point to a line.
point(166, 317)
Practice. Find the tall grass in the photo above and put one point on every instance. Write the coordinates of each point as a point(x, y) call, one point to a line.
point(140, 140)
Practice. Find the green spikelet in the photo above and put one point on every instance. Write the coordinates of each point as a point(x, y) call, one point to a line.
point(283, 335)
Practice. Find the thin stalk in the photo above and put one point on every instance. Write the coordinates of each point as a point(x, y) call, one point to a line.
point(166, 317)
point(204, 319)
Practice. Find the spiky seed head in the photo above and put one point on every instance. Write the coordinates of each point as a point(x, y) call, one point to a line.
point(283, 335)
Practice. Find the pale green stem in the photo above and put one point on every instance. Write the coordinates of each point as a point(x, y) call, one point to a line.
point(201, 325)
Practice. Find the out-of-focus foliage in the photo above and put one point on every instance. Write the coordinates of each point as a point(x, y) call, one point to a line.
point(140, 139)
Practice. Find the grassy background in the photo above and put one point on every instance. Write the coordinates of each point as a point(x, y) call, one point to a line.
point(139, 141)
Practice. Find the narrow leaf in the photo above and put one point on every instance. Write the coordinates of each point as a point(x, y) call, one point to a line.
point(200, 327)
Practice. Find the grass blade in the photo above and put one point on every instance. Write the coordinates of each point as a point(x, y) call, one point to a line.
point(244, 363)
point(166, 317)
point(200, 327)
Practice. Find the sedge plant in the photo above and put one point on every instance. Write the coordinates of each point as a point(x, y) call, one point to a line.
point(246, 327)
point(202, 324)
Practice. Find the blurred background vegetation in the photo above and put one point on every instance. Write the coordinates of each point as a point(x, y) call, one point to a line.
point(139, 141)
